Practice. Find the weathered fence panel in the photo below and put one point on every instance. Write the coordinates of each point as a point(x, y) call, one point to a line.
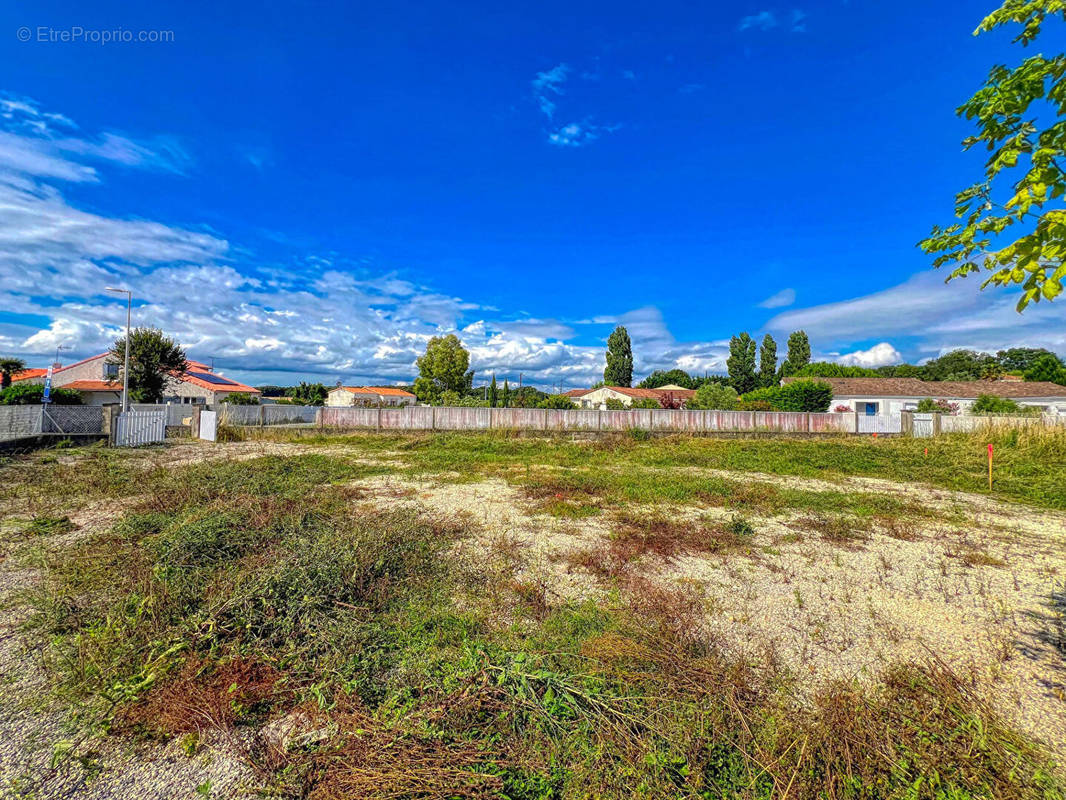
point(285, 414)
point(458, 418)
point(135, 428)
point(832, 423)
point(19, 421)
point(455, 418)
point(969, 424)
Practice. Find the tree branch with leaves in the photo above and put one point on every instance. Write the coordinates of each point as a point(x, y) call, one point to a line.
point(1019, 232)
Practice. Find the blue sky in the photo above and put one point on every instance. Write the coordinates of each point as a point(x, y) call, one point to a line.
point(312, 191)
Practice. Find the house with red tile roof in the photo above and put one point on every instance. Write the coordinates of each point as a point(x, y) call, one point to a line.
point(872, 396)
point(597, 398)
point(369, 396)
point(99, 381)
point(28, 373)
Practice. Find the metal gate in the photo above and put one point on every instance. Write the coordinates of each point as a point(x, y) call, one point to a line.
point(134, 428)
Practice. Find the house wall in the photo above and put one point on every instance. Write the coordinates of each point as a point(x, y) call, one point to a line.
point(92, 370)
point(597, 398)
point(100, 398)
point(894, 405)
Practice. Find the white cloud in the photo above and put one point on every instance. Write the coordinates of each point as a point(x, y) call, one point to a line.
point(547, 84)
point(880, 355)
point(785, 297)
point(934, 314)
point(794, 21)
point(546, 87)
point(764, 21)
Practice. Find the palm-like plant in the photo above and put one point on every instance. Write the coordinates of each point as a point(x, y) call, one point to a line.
point(8, 368)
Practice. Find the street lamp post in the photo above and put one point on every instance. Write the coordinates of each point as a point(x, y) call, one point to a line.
point(126, 366)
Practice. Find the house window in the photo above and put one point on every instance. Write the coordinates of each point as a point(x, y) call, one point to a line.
point(870, 409)
point(110, 370)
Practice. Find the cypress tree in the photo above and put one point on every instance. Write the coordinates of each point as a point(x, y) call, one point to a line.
point(492, 392)
point(741, 363)
point(799, 353)
point(619, 371)
point(768, 361)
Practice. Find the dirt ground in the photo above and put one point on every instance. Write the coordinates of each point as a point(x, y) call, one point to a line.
point(971, 590)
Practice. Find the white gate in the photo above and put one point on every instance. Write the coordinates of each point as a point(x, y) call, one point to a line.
point(134, 428)
point(880, 423)
point(208, 425)
point(923, 425)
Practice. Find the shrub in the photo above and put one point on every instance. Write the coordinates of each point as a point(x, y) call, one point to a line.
point(714, 396)
point(802, 395)
point(843, 409)
point(31, 394)
point(990, 404)
point(646, 402)
point(827, 369)
point(614, 404)
point(754, 405)
point(556, 401)
point(928, 405)
point(242, 399)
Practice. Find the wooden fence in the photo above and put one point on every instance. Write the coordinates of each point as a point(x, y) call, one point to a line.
point(445, 418)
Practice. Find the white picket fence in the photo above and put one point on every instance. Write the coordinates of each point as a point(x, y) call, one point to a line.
point(880, 423)
point(135, 428)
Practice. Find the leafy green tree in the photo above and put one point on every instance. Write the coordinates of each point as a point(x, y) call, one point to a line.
point(768, 361)
point(505, 399)
point(527, 397)
point(960, 365)
point(449, 397)
point(741, 363)
point(443, 368)
point(614, 404)
point(32, 394)
point(241, 399)
point(645, 402)
point(989, 404)
point(799, 353)
point(556, 401)
point(715, 396)
point(155, 359)
point(827, 369)
point(1016, 231)
point(1021, 359)
point(309, 394)
point(619, 370)
point(493, 392)
point(900, 371)
point(675, 377)
point(8, 368)
point(1047, 368)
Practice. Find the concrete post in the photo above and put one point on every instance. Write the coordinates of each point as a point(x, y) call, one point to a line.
point(194, 420)
point(906, 423)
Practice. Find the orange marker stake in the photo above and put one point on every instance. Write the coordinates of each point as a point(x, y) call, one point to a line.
point(989, 466)
point(927, 452)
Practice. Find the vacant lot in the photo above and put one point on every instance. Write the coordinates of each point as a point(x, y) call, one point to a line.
point(492, 616)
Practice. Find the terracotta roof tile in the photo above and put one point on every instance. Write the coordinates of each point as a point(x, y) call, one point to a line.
point(28, 373)
point(390, 391)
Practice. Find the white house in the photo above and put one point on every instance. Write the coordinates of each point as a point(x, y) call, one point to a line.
point(99, 381)
point(892, 395)
point(369, 396)
point(597, 398)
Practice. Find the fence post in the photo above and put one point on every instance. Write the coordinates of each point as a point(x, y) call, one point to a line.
point(194, 420)
point(855, 422)
point(262, 416)
point(808, 422)
point(936, 424)
point(433, 418)
point(599, 420)
point(545, 428)
point(379, 419)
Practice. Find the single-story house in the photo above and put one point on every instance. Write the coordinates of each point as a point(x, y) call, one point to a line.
point(890, 396)
point(597, 398)
point(369, 396)
point(99, 381)
point(28, 373)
